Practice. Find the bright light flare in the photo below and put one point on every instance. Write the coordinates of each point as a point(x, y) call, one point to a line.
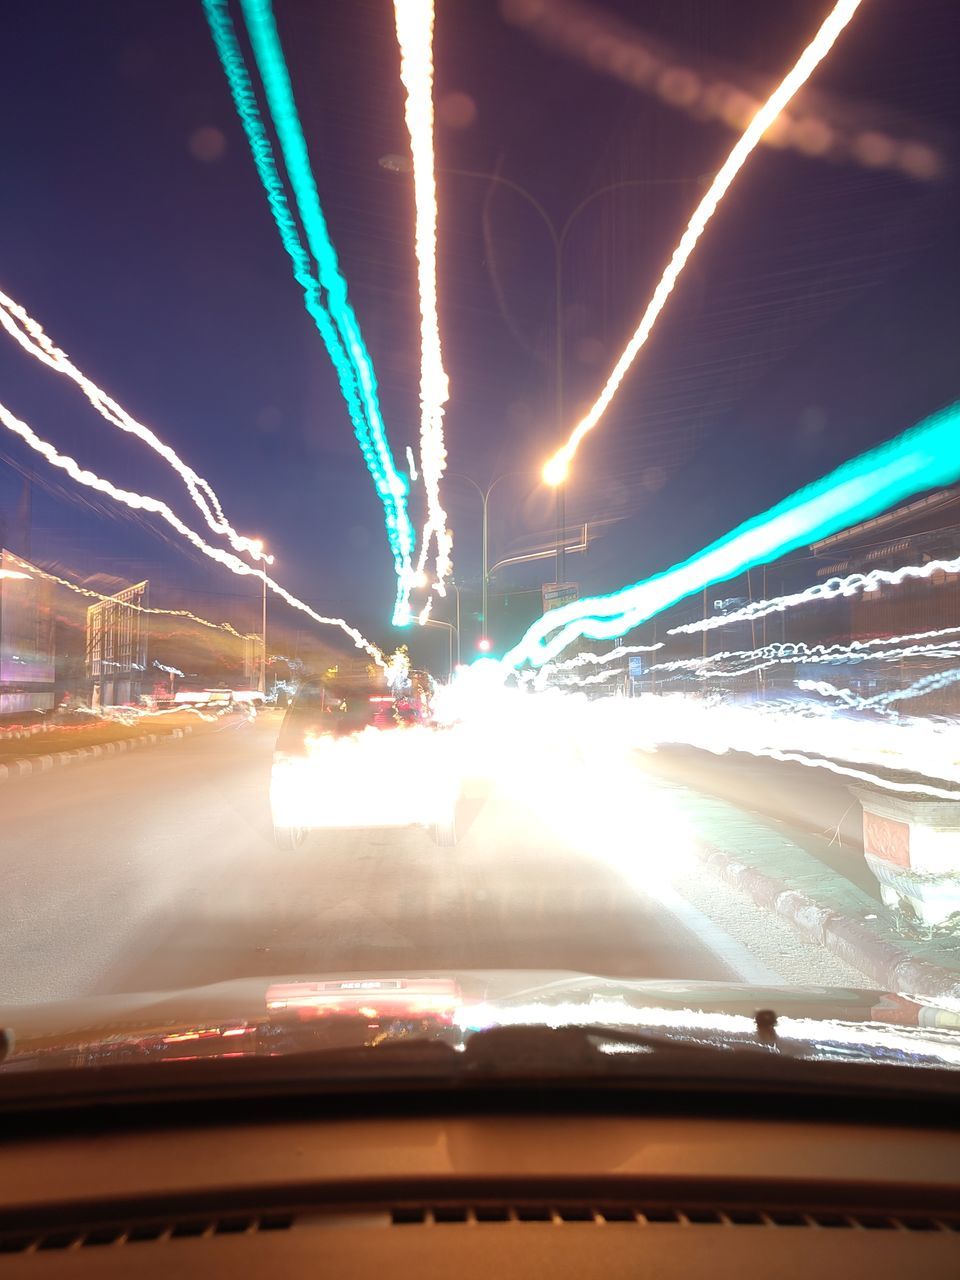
point(414, 23)
point(815, 52)
point(395, 777)
point(556, 469)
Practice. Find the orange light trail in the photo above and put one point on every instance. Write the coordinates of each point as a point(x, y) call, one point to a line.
point(557, 467)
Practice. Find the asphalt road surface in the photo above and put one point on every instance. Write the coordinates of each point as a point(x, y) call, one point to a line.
point(157, 870)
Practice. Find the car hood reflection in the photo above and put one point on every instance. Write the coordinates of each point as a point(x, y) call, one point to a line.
point(293, 1014)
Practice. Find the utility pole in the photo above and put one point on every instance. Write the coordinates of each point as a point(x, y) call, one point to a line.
point(263, 642)
point(704, 654)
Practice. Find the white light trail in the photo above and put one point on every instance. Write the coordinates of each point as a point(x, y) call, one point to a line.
point(414, 23)
point(143, 502)
point(598, 677)
point(800, 653)
point(171, 671)
point(540, 677)
point(869, 749)
point(861, 775)
point(841, 14)
point(124, 604)
point(133, 715)
point(829, 590)
point(931, 683)
point(31, 337)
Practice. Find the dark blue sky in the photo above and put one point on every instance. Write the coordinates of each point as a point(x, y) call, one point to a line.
point(819, 317)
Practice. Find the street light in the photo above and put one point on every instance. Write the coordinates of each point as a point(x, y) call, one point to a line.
point(262, 684)
point(484, 499)
point(451, 629)
point(555, 476)
point(456, 588)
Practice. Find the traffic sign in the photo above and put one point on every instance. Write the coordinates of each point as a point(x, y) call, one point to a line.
point(556, 594)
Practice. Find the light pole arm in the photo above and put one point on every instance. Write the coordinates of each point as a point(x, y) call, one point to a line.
point(617, 186)
point(451, 631)
point(582, 545)
point(531, 200)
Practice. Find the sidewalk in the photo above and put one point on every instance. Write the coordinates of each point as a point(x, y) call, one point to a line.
point(795, 874)
point(24, 763)
point(59, 738)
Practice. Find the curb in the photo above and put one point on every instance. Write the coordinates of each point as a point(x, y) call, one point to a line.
point(891, 967)
point(42, 764)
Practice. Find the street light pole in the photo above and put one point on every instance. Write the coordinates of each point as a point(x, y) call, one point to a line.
point(558, 237)
point(559, 349)
point(484, 584)
point(457, 590)
point(259, 555)
point(485, 527)
point(263, 642)
point(438, 622)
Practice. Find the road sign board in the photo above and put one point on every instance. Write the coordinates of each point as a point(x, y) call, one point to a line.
point(556, 594)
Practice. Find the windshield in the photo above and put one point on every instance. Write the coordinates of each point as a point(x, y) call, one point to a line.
point(480, 523)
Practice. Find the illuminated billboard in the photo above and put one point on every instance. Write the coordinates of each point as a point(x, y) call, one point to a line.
point(26, 637)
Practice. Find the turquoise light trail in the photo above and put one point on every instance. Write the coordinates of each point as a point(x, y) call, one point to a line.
point(268, 53)
point(925, 457)
point(341, 333)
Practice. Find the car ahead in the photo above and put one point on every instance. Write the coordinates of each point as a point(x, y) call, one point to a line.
point(352, 754)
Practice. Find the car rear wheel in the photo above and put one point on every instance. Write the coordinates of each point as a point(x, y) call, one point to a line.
point(289, 837)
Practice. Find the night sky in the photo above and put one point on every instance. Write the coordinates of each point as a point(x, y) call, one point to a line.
point(819, 316)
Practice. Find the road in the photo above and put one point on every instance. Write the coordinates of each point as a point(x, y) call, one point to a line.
point(157, 870)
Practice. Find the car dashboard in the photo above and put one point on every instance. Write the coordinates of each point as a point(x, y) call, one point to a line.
point(518, 1191)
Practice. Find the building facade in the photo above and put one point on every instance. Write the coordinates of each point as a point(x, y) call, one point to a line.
point(117, 648)
point(27, 650)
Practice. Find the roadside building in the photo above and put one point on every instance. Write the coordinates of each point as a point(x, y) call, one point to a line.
point(117, 648)
point(27, 650)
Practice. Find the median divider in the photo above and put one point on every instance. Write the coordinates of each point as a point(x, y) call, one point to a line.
point(56, 759)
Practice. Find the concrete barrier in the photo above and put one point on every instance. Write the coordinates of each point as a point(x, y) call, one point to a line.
point(891, 967)
point(42, 764)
